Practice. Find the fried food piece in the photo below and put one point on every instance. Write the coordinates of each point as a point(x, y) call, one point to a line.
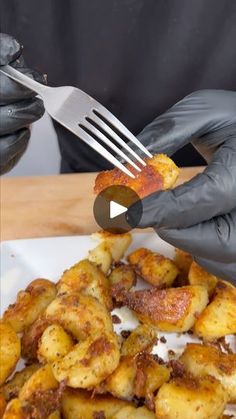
point(137, 376)
point(154, 268)
point(17, 410)
point(159, 173)
point(87, 278)
point(9, 350)
point(116, 243)
point(41, 394)
point(80, 404)
point(121, 382)
point(14, 410)
point(30, 304)
point(131, 412)
point(121, 277)
point(41, 380)
point(169, 310)
point(149, 377)
point(141, 339)
point(200, 360)
point(89, 362)
point(54, 344)
point(30, 338)
point(219, 317)
point(189, 397)
point(198, 276)
point(3, 405)
point(101, 256)
point(11, 389)
point(80, 315)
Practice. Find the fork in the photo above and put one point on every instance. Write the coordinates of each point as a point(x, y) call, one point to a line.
point(87, 119)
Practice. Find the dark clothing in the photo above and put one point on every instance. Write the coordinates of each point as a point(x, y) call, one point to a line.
point(137, 57)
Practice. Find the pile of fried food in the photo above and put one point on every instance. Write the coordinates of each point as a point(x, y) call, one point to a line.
point(77, 367)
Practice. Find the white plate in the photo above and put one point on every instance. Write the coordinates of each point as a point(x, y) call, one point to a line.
point(24, 260)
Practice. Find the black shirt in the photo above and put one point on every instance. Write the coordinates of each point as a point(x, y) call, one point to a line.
point(137, 57)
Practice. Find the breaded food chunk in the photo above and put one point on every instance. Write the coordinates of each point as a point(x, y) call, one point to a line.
point(121, 277)
point(89, 362)
point(154, 268)
point(80, 404)
point(188, 397)
point(9, 350)
point(198, 276)
point(200, 360)
point(85, 277)
point(159, 173)
point(30, 303)
point(169, 310)
point(219, 317)
point(141, 339)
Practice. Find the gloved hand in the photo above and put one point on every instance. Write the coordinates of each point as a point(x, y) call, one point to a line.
point(18, 106)
point(200, 215)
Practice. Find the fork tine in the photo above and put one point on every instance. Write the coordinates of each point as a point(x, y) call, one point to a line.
point(88, 139)
point(95, 118)
point(106, 140)
point(107, 115)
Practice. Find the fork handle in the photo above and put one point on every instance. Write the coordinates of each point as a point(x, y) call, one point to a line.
point(23, 79)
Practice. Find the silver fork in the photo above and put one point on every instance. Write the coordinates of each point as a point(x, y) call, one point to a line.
point(87, 119)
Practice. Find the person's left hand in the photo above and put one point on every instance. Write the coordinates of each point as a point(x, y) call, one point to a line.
point(19, 106)
point(200, 215)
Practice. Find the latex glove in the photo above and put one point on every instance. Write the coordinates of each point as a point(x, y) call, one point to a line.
point(18, 106)
point(200, 215)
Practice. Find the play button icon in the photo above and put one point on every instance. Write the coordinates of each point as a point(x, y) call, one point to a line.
point(110, 208)
point(116, 209)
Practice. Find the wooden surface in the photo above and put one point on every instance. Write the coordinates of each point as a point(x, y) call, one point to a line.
point(52, 205)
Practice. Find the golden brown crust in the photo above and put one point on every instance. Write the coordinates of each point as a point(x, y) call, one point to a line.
point(172, 309)
point(150, 376)
point(80, 315)
point(121, 277)
point(159, 173)
point(11, 389)
point(89, 362)
point(121, 382)
point(219, 317)
point(43, 403)
point(141, 339)
point(30, 304)
point(153, 267)
point(82, 404)
point(14, 410)
point(40, 396)
point(9, 350)
point(54, 344)
point(3, 405)
point(87, 278)
point(200, 360)
point(190, 397)
point(198, 276)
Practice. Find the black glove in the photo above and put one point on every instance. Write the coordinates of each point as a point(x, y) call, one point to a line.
point(200, 215)
point(18, 106)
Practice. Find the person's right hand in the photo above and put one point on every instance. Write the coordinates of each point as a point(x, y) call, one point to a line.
point(18, 105)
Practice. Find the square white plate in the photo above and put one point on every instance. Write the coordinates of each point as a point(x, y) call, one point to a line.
point(24, 260)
